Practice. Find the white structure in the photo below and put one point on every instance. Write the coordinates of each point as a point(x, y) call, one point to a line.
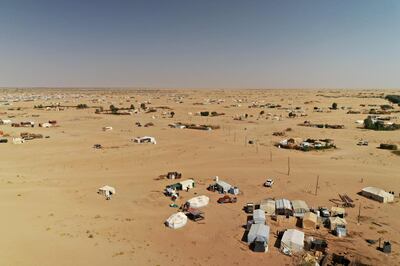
point(198, 202)
point(107, 191)
point(299, 208)
point(107, 128)
point(145, 139)
point(292, 241)
point(176, 220)
point(377, 194)
point(187, 184)
point(259, 233)
point(259, 216)
point(18, 140)
point(5, 122)
point(46, 125)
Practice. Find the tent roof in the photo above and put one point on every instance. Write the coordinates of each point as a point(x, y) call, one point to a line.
point(293, 236)
point(299, 204)
point(375, 190)
point(310, 216)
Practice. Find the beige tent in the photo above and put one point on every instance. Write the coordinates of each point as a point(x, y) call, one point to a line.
point(268, 205)
point(337, 211)
point(336, 221)
point(310, 220)
point(377, 194)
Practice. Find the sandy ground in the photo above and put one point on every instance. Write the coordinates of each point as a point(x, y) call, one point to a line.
point(52, 214)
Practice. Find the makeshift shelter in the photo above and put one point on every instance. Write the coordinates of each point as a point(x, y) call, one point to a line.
point(268, 206)
point(176, 220)
point(18, 140)
point(259, 236)
point(187, 184)
point(107, 191)
point(336, 221)
point(222, 186)
point(283, 207)
point(310, 220)
point(292, 241)
point(259, 216)
point(377, 194)
point(338, 211)
point(198, 202)
point(299, 208)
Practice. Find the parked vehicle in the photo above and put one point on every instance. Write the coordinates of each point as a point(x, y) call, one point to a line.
point(269, 183)
point(249, 207)
point(227, 199)
point(362, 143)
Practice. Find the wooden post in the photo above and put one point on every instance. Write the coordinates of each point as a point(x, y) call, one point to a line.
point(288, 165)
point(316, 186)
point(359, 214)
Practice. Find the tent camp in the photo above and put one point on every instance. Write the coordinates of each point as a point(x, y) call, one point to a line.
point(259, 237)
point(259, 216)
point(377, 194)
point(310, 220)
point(283, 207)
point(268, 205)
point(292, 241)
point(335, 222)
point(176, 220)
point(106, 191)
point(198, 202)
point(299, 208)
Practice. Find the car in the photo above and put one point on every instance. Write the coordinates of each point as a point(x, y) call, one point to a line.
point(227, 199)
point(269, 183)
point(362, 143)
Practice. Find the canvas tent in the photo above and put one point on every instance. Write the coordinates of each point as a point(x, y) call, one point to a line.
point(18, 140)
point(176, 220)
point(292, 241)
point(299, 208)
point(268, 205)
point(338, 211)
point(106, 191)
point(377, 194)
point(336, 221)
point(222, 186)
point(198, 202)
point(310, 220)
point(283, 207)
point(187, 184)
point(259, 236)
point(259, 216)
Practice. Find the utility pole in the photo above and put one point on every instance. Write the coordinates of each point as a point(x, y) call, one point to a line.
point(288, 165)
point(316, 186)
point(359, 214)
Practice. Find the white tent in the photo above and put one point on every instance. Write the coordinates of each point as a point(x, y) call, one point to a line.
point(46, 125)
point(198, 202)
point(260, 233)
point(292, 241)
point(187, 184)
point(18, 140)
point(176, 220)
point(377, 194)
point(107, 191)
point(259, 216)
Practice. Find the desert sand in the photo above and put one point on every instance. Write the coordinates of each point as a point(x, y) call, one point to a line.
point(52, 214)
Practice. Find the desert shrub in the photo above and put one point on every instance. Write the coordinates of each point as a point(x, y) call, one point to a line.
point(393, 98)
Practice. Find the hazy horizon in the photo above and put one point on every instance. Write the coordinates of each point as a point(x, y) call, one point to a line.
point(206, 44)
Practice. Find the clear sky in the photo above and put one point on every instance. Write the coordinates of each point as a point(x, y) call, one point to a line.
point(200, 43)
